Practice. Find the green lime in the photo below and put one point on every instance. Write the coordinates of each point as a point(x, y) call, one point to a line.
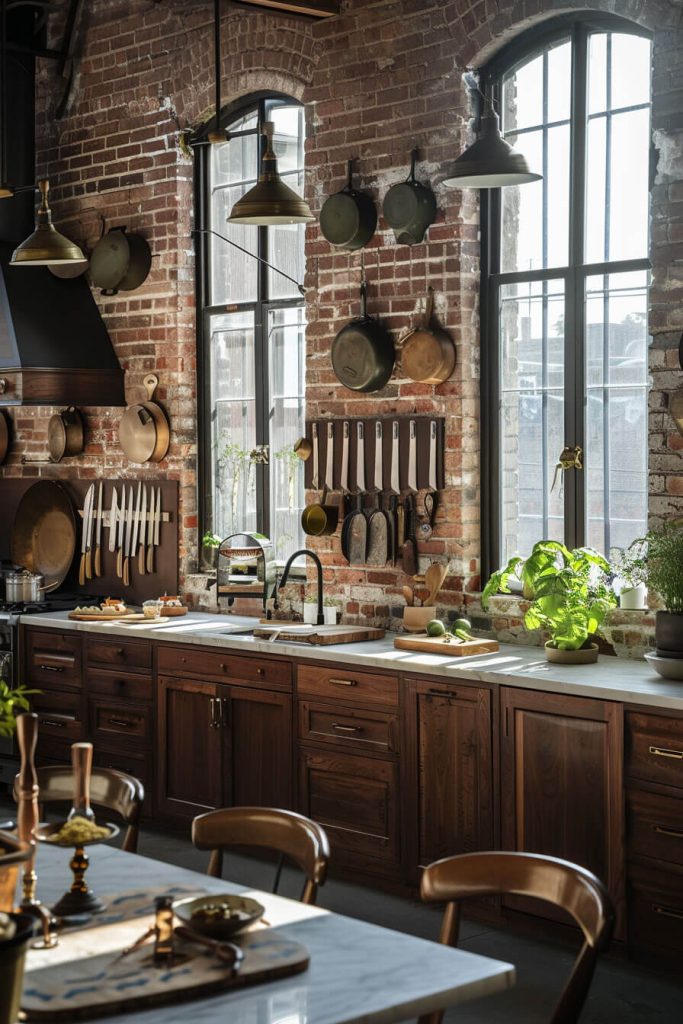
point(462, 624)
point(435, 627)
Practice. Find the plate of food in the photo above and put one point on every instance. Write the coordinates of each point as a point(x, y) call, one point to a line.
point(111, 609)
point(76, 831)
point(218, 916)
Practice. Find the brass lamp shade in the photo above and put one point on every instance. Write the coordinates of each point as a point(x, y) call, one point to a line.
point(490, 162)
point(46, 246)
point(270, 201)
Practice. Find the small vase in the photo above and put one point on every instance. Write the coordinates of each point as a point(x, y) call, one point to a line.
point(330, 612)
point(311, 614)
point(669, 634)
point(634, 598)
point(583, 656)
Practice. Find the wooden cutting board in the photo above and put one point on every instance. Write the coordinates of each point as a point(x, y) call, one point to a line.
point(86, 984)
point(439, 645)
point(89, 617)
point(321, 635)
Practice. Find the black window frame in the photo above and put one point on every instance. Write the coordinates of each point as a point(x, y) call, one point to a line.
point(259, 102)
point(578, 27)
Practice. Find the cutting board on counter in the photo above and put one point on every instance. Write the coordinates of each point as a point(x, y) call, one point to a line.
point(320, 635)
point(440, 645)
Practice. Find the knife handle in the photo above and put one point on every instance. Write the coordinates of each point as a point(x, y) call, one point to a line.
point(119, 563)
point(81, 571)
point(98, 561)
point(88, 563)
point(141, 559)
point(126, 571)
point(150, 558)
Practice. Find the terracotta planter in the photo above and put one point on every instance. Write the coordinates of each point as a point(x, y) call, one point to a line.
point(12, 957)
point(584, 655)
point(669, 634)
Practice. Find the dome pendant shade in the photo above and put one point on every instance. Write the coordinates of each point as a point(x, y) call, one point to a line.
point(490, 162)
point(46, 246)
point(270, 201)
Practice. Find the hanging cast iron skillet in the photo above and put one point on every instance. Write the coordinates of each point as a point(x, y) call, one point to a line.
point(348, 218)
point(363, 352)
point(120, 262)
point(409, 207)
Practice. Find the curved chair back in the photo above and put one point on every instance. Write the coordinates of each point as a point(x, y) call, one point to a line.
point(286, 832)
point(13, 853)
point(111, 789)
point(556, 881)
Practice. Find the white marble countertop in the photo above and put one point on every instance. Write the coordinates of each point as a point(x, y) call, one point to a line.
point(622, 679)
point(359, 973)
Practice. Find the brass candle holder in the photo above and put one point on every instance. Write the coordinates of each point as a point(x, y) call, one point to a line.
point(80, 899)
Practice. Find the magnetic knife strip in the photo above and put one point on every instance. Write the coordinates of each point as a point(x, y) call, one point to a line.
point(354, 454)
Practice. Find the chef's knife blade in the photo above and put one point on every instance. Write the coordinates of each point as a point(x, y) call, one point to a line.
point(394, 485)
point(136, 521)
point(129, 535)
point(412, 457)
point(98, 534)
point(315, 482)
point(431, 477)
point(89, 537)
point(378, 481)
point(150, 533)
point(113, 519)
point(143, 531)
point(360, 456)
point(329, 458)
point(344, 478)
point(157, 518)
point(121, 534)
point(87, 514)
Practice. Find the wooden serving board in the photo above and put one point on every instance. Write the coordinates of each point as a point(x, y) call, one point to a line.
point(85, 983)
point(321, 635)
point(440, 645)
point(174, 609)
point(87, 617)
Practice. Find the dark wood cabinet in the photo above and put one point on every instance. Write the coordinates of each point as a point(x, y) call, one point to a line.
point(562, 781)
point(189, 748)
point(258, 761)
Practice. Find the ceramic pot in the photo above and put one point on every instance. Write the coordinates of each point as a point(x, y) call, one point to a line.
point(634, 598)
point(310, 613)
point(12, 957)
point(669, 634)
point(415, 618)
point(330, 612)
point(584, 655)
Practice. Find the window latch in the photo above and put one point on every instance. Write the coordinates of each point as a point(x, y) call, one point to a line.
point(571, 457)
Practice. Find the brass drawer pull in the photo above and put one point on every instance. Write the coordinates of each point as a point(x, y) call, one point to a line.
point(346, 728)
point(677, 755)
point(675, 833)
point(125, 723)
point(213, 721)
point(343, 682)
point(51, 668)
point(54, 722)
point(668, 911)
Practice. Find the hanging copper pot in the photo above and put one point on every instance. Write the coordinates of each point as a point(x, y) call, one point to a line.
point(65, 434)
point(144, 433)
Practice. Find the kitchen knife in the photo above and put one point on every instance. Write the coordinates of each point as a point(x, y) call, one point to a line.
point(378, 481)
point(91, 523)
point(119, 539)
point(431, 476)
point(136, 521)
point(157, 518)
point(394, 484)
point(329, 457)
point(129, 536)
point(150, 533)
point(143, 532)
point(315, 482)
point(344, 478)
point(98, 534)
point(87, 513)
point(412, 457)
point(113, 519)
point(360, 456)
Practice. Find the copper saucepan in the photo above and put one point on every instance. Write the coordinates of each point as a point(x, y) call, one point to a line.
point(428, 352)
point(65, 434)
point(144, 433)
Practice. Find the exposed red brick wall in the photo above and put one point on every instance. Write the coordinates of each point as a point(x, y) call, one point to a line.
point(379, 79)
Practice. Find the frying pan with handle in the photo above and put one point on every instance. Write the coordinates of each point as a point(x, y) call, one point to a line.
point(348, 218)
point(144, 432)
point(363, 352)
point(44, 532)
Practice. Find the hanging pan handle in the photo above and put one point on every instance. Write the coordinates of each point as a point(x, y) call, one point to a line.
point(151, 382)
point(411, 179)
point(349, 176)
point(429, 308)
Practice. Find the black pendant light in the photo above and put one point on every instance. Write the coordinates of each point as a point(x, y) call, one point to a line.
point(270, 201)
point(490, 162)
point(46, 245)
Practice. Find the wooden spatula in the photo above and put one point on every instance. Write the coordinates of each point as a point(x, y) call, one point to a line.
point(434, 577)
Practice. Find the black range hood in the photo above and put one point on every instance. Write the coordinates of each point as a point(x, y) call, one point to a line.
point(54, 345)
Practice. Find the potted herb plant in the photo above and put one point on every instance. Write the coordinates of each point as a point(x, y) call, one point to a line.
point(331, 610)
point(665, 577)
point(630, 569)
point(310, 609)
point(211, 542)
point(569, 597)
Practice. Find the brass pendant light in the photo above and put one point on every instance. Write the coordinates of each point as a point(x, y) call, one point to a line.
point(270, 201)
point(490, 162)
point(46, 246)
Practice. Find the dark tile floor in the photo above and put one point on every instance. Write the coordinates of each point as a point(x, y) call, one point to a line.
point(620, 994)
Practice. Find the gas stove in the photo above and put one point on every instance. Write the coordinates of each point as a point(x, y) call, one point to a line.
point(10, 612)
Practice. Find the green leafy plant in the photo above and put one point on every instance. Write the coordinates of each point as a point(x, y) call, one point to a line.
point(664, 564)
point(11, 702)
point(568, 591)
point(211, 540)
point(630, 564)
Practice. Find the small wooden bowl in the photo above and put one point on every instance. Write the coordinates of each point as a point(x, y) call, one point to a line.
point(244, 911)
point(415, 619)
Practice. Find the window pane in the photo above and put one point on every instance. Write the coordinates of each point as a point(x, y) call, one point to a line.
point(233, 171)
point(532, 413)
point(286, 242)
point(286, 344)
point(234, 422)
point(630, 70)
point(616, 410)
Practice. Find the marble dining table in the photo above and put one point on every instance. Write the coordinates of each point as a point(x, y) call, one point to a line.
point(359, 973)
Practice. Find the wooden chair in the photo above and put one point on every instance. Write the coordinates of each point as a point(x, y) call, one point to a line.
point(566, 885)
point(110, 789)
point(290, 834)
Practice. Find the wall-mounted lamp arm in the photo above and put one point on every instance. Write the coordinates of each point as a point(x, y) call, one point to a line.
point(210, 231)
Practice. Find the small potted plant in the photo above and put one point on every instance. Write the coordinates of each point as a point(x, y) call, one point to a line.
point(12, 702)
point(665, 577)
point(569, 597)
point(310, 609)
point(331, 610)
point(630, 570)
point(210, 545)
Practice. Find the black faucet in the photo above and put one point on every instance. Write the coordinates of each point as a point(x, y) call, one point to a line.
point(285, 574)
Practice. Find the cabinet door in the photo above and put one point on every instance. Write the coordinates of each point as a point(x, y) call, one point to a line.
point(561, 781)
point(455, 776)
point(257, 729)
point(189, 748)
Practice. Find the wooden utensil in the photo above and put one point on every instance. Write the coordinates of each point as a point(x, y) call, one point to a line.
point(409, 596)
point(434, 577)
point(423, 594)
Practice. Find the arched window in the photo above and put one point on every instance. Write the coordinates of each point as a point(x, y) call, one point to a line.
point(564, 292)
point(251, 324)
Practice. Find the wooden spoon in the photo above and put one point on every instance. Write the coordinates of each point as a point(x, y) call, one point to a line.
point(422, 594)
point(409, 596)
point(434, 577)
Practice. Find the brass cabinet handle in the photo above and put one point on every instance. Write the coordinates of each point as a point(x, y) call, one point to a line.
point(51, 668)
point(346, 728)
point(675, 833)
point(343, 682)
point(668, 911)
point(677, 755)
point(260, 671)
point(125, 723)
point(213, 722)
point(55, 722)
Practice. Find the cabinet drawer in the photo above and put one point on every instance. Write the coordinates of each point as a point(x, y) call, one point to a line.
point(364, 730)
point(347, 685)
point(654, 748)
point(268, 672)
point(122, 685)
point(655, 915)
point(52, 751)
point(53, 660)
point(125, 653)
point(654, 826)
point(130, 764)
point(59, 715)
point(119, 724)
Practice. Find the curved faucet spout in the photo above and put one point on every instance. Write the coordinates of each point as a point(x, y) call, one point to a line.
point(319, 571)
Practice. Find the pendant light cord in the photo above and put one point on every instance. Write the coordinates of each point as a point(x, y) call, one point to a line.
point(210, 231)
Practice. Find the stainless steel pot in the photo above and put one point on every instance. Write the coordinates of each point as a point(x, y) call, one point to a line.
point(24, 586)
